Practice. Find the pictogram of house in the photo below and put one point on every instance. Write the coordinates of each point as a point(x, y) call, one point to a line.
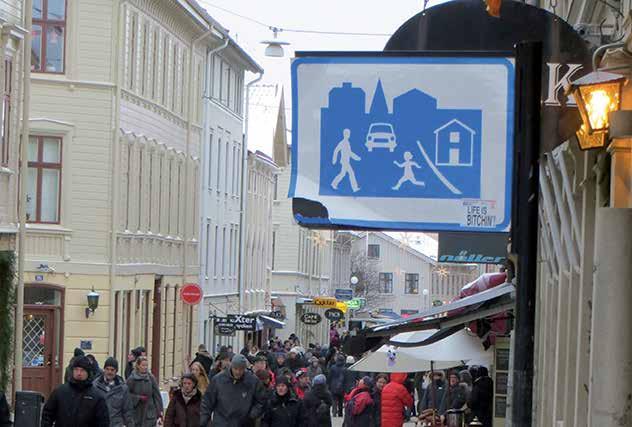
point(455, 144)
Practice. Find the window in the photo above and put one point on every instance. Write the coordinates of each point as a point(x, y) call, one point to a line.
point(5, 120)
point(43, 187)
point(273, 247)
point(223, 252)
point(374, 251)
point(49, 36)
point(455, 137)
point(208, 246)
point(219, 163)
point(215, 268)
point(386, 283)
point(276, 187)
point(412, 283)
point(210, 161)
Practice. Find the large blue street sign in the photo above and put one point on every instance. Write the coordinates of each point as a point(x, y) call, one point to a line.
point(422, 142)
point(343, 294)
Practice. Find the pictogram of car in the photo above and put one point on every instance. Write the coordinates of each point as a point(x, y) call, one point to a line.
point(381, 135)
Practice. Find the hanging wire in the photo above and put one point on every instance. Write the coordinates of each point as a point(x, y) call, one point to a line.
point(297, 30)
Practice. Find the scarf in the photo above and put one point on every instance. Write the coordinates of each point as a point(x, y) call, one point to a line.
point(189, 396)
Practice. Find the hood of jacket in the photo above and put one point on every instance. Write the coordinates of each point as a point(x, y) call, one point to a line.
point(399, 377)
point(204, 354)
point(137, 376)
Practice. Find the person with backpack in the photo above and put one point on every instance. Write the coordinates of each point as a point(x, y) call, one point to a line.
point(359, 405)
point(317, 403)
point(337, 384)
point(395, 399)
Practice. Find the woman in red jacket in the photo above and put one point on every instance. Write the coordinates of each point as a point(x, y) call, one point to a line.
point(395, 397)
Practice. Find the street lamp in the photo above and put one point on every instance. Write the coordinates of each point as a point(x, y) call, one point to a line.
point(275, 46)
point(93, 302)
point(354, 280)
point(597, 94)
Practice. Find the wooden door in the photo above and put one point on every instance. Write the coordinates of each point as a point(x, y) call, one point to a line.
point(38, 365)
point(156, 328)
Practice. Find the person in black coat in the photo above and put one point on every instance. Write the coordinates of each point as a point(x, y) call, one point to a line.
point(336, 382)
point(283, 409)
point(351, 378)
point(131, 359)
point(317, 403)
point(203, 358)
point(77, 402)
point(5, 412)
point(482, 396)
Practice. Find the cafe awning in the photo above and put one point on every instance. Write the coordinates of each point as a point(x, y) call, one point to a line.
point(271, 322)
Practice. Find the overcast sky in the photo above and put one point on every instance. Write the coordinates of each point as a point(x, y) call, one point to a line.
point(365, 16)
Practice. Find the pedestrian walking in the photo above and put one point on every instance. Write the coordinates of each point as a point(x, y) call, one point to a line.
point(234, 398)
point(433, 394)
point(76, 403)
point(76, 354)
point(303, 383)
point(282, 409)
point(204, 358)
point(314, 368)
point(116, 394)
point(222, 362)
point(359, 405)
point(482, 397)
point(5, 412)
point(380, 381)
point(351, 378)
point(455, 396)
point(261, 364)
point(145, 395)
point(317, 403)
point(200, 375)
point(395, 399)
point(184, 408)
point(131, 359)
point(337, 384)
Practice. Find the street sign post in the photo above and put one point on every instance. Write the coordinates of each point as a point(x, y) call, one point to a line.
point(343, 294)
point(402, 142)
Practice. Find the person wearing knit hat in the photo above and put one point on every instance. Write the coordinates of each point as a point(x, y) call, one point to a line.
point(76, 402)
point(319, 379)
point(234, 397)
point(78, 352)
point(317, 403)
point(116, 394)
point(283, 409)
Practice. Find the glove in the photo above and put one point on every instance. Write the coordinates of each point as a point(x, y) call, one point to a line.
point(143, 397)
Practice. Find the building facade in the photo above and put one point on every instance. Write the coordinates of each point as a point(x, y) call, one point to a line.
point(115, 149)
point(302, 259)
point(448, 279)
point(11, 82)
point(222, 187)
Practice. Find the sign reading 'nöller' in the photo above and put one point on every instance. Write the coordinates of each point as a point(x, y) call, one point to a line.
point(403, 142)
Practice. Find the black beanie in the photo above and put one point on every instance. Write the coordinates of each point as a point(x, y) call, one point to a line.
point(82, 362)
point(79, 352)
point(111, 362)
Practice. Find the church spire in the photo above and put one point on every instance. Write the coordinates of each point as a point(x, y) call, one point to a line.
point(378, 104)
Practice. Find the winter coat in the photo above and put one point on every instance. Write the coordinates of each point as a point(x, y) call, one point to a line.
point(300, 392)
point(181, 413)
point(76, 404)
point(336, 379)
point(395, 397)
point(231, 402)
point(481, 400)
point(313, 399)
point(350, 379)
point(454, 397)
point(5, 412)
point(145, 413)
point(286, 411)
point(360, 403)
point(376, 395)
point(296, 363)
point(312, 372)
point(204, 359)
point(118, 401)
point(426, 401)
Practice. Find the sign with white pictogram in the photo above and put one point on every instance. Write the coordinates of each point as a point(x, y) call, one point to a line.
point(403, 142)
point(242, 322)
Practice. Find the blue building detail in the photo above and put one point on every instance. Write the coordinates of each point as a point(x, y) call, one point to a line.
point(416, 137)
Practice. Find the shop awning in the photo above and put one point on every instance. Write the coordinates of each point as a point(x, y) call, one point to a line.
point(271, 322)
point(444, 318)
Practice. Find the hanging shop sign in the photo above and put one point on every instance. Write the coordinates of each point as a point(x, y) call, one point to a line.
point(340, 305)
point(334, 314)
point(311, 318)
point(223, 326)
point(343, 294)
point(479, 248)
point(278, 315)
point(242, 322)
point(354, 304)
point(325, 302)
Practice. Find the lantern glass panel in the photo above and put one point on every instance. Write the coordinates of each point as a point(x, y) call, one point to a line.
point(596, 102)
point(588, 141)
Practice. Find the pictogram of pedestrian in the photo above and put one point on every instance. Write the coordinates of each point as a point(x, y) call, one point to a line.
point(409, 174)
point(346, 155)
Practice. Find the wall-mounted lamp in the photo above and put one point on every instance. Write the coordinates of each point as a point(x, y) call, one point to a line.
point(597, 94)
point(93, 302)
point(587, 141)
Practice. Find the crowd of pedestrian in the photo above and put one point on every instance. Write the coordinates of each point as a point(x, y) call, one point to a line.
point(281, 384)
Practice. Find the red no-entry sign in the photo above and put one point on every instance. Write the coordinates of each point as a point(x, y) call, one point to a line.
point(191, 293)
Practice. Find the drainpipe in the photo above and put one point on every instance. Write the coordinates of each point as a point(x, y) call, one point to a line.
point(203, 190)
point(19, 309)
point(191, 98)
point(244, 197)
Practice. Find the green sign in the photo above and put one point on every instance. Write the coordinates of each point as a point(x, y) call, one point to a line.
point(356, 303)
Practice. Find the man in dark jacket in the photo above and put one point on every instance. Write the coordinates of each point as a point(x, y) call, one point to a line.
point(203, 358)
point(481, 399)
point(234, 398)
point(317, 403)
point(77, 402)
point(432, 397)
point(282, 409)
point(68, 373)
point(184, 407)
point(116, 395)
point(5, 412)
point(337, 384)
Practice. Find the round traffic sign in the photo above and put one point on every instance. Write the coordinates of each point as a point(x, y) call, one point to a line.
point(191, 293)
